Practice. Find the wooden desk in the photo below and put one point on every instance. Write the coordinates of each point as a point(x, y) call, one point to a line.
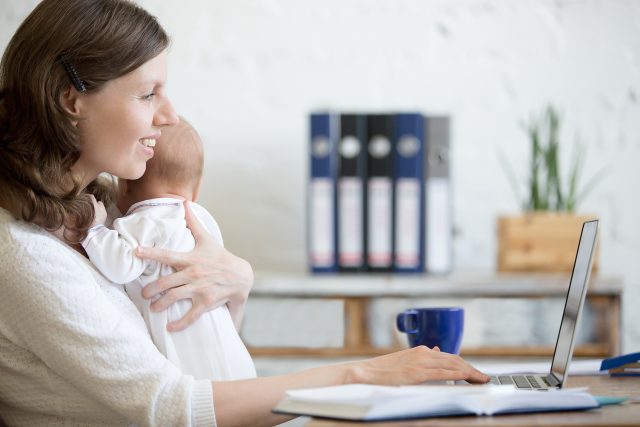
point(607, 416)
point(358, 290)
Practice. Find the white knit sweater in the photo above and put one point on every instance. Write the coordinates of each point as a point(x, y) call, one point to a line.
point(73, 347)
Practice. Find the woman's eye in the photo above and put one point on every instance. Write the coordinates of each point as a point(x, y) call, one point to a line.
point(148, 97)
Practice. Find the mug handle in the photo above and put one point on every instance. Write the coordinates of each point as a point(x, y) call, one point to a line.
point(401, 321)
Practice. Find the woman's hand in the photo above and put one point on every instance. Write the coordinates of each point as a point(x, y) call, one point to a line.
point(260, 395)
point(210, 276)
point(414, 366)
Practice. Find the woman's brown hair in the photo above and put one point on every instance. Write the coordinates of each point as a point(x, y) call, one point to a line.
point(101, 40)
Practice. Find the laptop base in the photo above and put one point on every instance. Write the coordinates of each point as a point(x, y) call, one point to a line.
point(527, 381)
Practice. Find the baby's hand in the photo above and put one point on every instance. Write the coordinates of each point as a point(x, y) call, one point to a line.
point(100, 212)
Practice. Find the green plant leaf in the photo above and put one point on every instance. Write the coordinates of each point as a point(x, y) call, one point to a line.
point(574, 176)
point(545, 184)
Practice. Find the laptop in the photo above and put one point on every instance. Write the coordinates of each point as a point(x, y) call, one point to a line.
point(570, 317)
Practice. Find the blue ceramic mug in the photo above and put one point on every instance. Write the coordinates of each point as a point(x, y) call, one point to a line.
point(433, 326)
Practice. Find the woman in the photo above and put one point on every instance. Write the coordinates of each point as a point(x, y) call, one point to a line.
point(81, 94)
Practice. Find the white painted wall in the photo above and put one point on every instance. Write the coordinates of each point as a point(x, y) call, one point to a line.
point(247, 72)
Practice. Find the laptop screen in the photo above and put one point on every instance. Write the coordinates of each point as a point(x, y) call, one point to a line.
point(575, 300)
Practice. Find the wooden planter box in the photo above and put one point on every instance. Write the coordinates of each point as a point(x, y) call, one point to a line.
point(540, 242)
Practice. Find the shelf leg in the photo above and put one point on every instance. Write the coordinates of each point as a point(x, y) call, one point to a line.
point(356, 328)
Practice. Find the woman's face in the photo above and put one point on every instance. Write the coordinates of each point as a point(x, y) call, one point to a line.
point(120, 123)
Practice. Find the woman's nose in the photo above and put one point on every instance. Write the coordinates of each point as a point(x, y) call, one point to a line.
point(166, 115)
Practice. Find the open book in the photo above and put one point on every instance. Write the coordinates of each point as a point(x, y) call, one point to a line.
point(373, 403)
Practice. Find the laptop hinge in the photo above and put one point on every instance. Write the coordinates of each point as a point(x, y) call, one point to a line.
point(552, 380)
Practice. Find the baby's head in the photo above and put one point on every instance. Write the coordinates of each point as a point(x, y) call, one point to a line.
point(174, 170)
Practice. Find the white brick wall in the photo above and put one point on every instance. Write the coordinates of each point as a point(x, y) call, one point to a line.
point(247, 72)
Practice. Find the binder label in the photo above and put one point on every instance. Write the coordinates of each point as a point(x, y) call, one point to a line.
point(350, 240)
point(439, 226)
point(322, 226)
point(379, 224)
point(407, 222)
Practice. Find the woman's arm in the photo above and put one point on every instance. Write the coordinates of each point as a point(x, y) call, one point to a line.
point(83, 341)
point(249, 402)
point(210, 276)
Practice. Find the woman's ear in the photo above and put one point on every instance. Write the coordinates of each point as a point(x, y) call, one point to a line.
point(70, 104)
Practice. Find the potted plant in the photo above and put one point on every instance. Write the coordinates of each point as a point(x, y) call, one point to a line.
point(545, 236)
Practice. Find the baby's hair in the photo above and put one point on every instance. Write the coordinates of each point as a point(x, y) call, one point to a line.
point(178, 158)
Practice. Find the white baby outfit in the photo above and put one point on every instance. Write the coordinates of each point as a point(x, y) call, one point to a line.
point(210, 348)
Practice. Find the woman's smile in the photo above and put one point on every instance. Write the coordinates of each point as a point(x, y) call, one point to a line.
point(147, 146)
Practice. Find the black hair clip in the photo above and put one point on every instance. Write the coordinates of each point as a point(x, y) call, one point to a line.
point(72, 73)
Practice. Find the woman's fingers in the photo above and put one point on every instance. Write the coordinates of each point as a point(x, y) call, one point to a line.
point(198, 294)
point(416, 365)
point(443, 374)
point(188, 319)
point(392, 377)
point(177, 260)
point(478, 378)
point(165, 283)
point(471, 373)
point(170, 296)
point(189, 283)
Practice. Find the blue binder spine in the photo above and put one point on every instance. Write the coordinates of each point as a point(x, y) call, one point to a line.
point(322, 231)
point(409, 209)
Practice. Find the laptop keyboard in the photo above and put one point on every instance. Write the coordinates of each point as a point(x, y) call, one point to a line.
point(521, 381)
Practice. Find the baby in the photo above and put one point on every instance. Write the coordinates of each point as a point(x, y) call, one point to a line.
point(155, 217)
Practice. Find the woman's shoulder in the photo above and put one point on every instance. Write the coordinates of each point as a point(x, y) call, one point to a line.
point(29, 250)
point(17, 236)
point(41, 273)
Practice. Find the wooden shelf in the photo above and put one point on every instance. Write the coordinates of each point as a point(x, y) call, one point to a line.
point(467, 284)
point(358, 290)
point(589, 350)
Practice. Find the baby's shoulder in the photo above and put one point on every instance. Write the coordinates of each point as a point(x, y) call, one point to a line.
point(155, 210)
point(207, 220)
point(152, 223)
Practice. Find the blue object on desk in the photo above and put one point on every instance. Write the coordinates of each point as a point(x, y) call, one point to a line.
point(610, 400)
point(619, 362)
